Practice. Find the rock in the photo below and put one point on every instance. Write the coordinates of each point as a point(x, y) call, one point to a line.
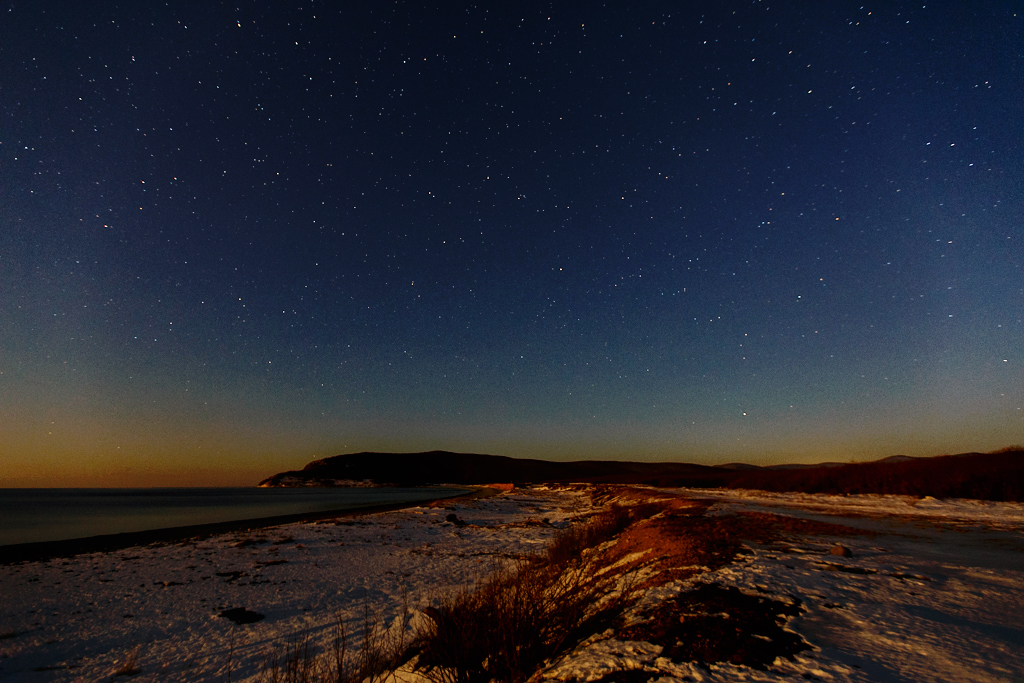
point(241, 615)
point(841, 550)
point(454, 519)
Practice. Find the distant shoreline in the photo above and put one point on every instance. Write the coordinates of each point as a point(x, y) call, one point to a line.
point(48, 550)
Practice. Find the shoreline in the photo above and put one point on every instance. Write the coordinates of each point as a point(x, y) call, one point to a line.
point(166, 608)
point(41, 551)
point(164, 611)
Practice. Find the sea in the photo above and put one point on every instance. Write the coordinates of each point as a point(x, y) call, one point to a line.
point(32, 515)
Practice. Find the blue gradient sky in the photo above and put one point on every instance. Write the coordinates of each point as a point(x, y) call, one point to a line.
point(234, 239)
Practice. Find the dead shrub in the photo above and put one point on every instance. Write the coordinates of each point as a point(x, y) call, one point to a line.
point(524, 614)
point(380, 651)
point(130, 665)
point(602, 527)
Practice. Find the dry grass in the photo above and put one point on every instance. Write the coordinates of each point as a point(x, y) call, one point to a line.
point(373, 659)
point(129, 667)
point(569, 546)
point(525, 614)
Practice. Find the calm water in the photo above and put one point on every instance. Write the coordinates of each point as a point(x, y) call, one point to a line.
point(30, 515)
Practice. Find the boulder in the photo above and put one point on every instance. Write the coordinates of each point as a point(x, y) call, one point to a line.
point(841, 550)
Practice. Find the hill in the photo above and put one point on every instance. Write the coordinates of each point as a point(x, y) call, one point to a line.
point(436, 467)
point(986, 476)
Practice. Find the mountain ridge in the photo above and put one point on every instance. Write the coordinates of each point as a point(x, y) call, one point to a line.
point(436, 467)
point(988, 476)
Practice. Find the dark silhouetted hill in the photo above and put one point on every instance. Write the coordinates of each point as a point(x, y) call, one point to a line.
point(986, 476)
point(437, 467)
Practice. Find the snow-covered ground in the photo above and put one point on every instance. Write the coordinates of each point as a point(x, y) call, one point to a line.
point(81, 618)
point(957, 511)
point(934, 593)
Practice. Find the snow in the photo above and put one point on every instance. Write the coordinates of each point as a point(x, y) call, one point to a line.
point(935, 591)
point(90, 612)
point(602, 656)
point(994, 514)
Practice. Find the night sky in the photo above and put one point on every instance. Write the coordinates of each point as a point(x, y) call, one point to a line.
point(238, 237)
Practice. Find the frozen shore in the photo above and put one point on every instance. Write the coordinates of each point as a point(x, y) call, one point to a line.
point(933, 592)
point(81, 618)
point(902, 608)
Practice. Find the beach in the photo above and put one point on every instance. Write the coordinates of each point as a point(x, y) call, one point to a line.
point(899, 607)
point(79, 618)
point(150, 531)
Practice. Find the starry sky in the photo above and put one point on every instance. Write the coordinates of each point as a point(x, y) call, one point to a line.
point(235, 237)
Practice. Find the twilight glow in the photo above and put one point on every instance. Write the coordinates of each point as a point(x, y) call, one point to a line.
point(233, 240)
